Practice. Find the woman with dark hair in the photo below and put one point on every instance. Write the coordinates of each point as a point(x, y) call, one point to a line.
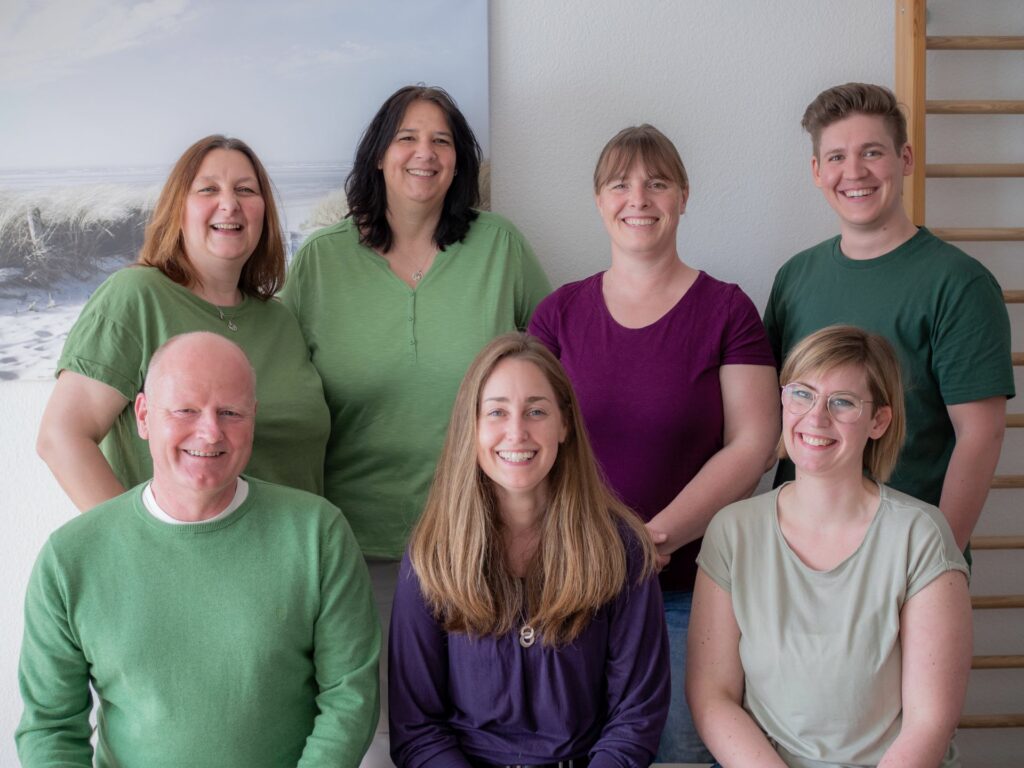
point(395, 301)
point(528, 626)
point(831, 618)
point(212, 259)
point(674, 375)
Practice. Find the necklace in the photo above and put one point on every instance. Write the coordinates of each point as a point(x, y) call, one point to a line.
point(418, 274)
point(527, 636)
point(229, 319)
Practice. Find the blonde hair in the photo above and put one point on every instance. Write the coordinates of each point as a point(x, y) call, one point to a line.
point(581, 559)
point(839, 345)
point(164, 246)
point(643, 144)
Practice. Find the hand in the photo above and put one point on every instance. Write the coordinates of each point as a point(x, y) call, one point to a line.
point(659, 538)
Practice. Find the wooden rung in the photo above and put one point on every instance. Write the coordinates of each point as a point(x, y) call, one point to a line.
point(979, 233)
point(973, 170)
point(1014, 420)
point(997, 662)
point(1013, 297)
point(997, 542)
point(985, 602)
point(974, 43)
point(1017, 358)
point(992, 721)
point(974, 107)
point(1008, 481)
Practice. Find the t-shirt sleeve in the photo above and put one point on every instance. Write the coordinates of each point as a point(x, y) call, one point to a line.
point(532, 285)
point(774, 320)
point(745, 342)
point(932, 551)
point(716, 551)
point(971, 344)
point(544, 325)
point(105, 348)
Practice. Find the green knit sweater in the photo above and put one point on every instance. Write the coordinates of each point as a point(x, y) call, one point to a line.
point(248, 641)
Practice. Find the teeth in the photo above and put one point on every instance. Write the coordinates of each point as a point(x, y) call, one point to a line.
point(858, 192)
point(227, 226)
point(418, 172)
point(639, 222)
point(203, 454)
point(817, 441)
point(517, 455)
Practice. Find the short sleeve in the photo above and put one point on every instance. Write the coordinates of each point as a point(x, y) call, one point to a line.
point(532, 285)
point(971, 345)
point(774, 320)
point(716, 551)
point(932, 551)
point(746, 342)
point(544, 325)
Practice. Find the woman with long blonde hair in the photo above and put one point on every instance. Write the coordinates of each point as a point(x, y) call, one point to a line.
point(527, 624)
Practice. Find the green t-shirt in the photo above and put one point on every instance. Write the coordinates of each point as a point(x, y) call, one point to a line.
point(391, 358)
point(137, 309)
point(940, 309)
point(821, 654)
point(245, 642)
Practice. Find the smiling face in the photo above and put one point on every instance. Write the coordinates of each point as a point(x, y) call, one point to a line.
point(419, 164)
point(641, 211)
point(223, 216)
point(519, 429)
point(860, 171)
point(198, 414)
point(816, 442)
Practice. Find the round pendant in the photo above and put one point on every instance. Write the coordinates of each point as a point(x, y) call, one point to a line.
point(527, 636)
point(232, 326)
point(417, 275)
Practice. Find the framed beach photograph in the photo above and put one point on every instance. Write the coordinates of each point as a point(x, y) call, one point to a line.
point(100, 97)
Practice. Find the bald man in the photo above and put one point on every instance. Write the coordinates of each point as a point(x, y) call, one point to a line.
point(222, 621)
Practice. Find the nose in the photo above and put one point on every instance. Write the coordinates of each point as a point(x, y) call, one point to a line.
point(819, 413)
point(208, 426)
point(854, 167)
point(517, 429)
point(638, 196)
point(425, 148)
point(228, 200)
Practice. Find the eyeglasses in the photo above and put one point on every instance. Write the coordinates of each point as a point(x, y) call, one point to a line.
point(844, 407)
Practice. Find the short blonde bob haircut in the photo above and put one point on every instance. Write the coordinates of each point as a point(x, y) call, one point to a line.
point(457, 549)
point(164, 246)
point(642, 144)
point(840, 345)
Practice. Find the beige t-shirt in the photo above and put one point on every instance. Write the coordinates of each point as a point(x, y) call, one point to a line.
point(821, 650)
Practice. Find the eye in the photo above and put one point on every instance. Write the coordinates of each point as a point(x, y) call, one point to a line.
point(184, 411)
point(405, 137)
point(494, 413)
point(658, 185)
point(801, 395)
point(206, 190)
point(842, 402)
point(442, 140)
point(536, 413)
point(834, 158)
point(873, 153)
point(246, 190)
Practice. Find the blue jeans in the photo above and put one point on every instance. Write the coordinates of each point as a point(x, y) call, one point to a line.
point(679, 741)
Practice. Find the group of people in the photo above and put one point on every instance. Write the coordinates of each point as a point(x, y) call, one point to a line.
point(551, 528)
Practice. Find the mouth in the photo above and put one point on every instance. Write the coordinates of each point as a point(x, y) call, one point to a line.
point(815, 441)
point(517, 457)
point(226, 227)
point(420, 172)
point(639, 221)
point(204, 454)
point(853, 194)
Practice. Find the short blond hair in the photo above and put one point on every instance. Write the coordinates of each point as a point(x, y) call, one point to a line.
point(839, 345)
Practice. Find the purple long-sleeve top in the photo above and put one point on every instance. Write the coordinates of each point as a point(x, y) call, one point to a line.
point(453, 696)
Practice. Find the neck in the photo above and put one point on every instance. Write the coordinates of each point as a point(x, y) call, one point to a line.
point(861, 244)
point(193, 506)
point(219, 289)
point(413, 226)
point(829, 500)
point(660, 272)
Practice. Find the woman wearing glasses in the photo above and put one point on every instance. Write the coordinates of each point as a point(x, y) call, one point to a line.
point(831, 621)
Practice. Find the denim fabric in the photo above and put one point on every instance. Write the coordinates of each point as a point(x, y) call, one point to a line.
point(679, 741)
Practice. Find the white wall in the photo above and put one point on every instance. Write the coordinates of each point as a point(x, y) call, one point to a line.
point(727, 80)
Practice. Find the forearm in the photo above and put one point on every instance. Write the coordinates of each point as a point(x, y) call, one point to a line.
point(80, 468)
point(918, 747)
point(730, 475)
point(733, 737)
point(967, 482)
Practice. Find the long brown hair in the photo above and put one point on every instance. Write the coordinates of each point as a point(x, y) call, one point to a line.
point(164, 247)
point(581, 559)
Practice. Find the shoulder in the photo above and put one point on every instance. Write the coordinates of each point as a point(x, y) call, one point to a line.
point(283, 500)
point(488, 221)
point(570, 294)
point(909, 512)
point(817, 256)
point(329, 239)
point(81, 535)
point(130, 284)
point(712, 289)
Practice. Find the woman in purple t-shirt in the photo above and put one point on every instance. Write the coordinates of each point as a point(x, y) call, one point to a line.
point(674, 375)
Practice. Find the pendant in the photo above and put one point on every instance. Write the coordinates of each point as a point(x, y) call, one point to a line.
point(232, 326)
point(417, 276)
point(527, 636)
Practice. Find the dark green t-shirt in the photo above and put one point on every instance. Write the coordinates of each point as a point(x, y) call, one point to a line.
point(941, 310)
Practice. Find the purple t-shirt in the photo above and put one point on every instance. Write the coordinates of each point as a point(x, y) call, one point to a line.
point(605, 695)
point(651, 397)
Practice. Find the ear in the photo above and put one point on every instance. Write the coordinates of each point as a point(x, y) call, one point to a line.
point(564, 434)
point(141, 413)
point(880, 422)
point(907, 156)
point(682, 200)
point(816, 171)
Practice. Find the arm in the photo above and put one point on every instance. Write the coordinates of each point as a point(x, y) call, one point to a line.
point(750, 400)
point(979, 428)
point(78, 415)
point(418, 698)
point(714, 682)
point(53, 676)
point(346, 646)
point(935, 636)
point(533, 284)
point(636, 671)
